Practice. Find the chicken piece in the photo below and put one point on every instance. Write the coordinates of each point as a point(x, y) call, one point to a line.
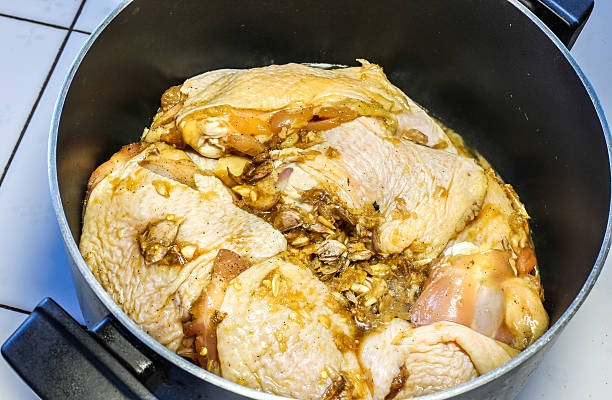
point(207, 165)
point(420, 128)
point(229, 105)
point(406, 362)
point(117, 160)
point(284, 333)
point(206, 314)
point(476, 272)
point(151, 230)
point(424, 196)
point(501, 224)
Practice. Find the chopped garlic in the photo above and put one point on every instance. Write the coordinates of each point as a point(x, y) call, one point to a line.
point(371, 300)
point(325, 222)
point(359, 288)
point(275, 285)
point(188, 251)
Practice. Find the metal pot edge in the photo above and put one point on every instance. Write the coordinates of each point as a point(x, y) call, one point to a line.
point(78, 261)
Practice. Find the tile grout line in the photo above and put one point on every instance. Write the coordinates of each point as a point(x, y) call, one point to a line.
point(15, 309)
point(40, 93)
point(41, 23)
point(81, 31)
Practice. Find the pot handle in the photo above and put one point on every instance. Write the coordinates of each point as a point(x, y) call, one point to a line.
point(565, 18)
point(60, 359)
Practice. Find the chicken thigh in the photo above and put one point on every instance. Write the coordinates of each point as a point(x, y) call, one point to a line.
point(284, 333)
point(208, 109)
point(488, 269)
point(412, 171)
point(406, 362)
point(151, 230)
point(314, 233)
point(424, 196)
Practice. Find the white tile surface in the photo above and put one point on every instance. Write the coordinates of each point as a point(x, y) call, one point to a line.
point(12, 386)
point(593, 50)
point(57, 12)
point(33, 253)
point(28, 51)
point(578, 367)
point(94, 12)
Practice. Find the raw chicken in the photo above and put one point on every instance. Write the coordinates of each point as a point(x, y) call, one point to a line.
point(501, 224)
point(240, 109)
point(258, 102)
point(284, 333)
point(188, 230)
point(405, 362)
point(476, 272)
point(425, 196)
point(151, 230)
point(420, 128)
point(206, 315)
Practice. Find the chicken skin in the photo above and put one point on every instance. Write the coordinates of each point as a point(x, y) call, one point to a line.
point(487, 269)
point(314, 233)
point(259, 102)
point(150, 234)
point(425, 196)
point(406, 362)
point(284, 333)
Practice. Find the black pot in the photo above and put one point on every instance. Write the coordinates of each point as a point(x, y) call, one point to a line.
point(488, 68)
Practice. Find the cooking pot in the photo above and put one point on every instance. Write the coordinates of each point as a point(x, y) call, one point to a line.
point(490, 69)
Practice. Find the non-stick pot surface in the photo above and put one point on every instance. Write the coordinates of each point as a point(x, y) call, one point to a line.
point(482, 67)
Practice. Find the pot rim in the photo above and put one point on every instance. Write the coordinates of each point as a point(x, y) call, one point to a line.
point(72, 247)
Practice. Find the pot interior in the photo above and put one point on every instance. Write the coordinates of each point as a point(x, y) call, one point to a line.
point(481, 67)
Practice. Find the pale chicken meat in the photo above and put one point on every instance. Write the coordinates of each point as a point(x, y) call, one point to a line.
point(501, 224)
point(357, 109)
point(487, 269)
point(206, 315)
point(150, 239)
point(207, 109)
point(406, 362)
point(419, 127)
point(284, 333)
point(314, 233)
point(424, 196)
